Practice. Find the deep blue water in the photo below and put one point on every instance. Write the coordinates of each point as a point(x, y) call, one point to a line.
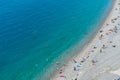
point(35, 33)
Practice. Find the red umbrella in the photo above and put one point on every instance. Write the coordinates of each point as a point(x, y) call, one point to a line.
point(62, 76)
point(111, 30)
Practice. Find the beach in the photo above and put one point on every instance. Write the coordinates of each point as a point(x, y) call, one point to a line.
point(99, 60)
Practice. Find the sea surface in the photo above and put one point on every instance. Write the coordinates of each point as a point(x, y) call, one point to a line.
point(34, 34)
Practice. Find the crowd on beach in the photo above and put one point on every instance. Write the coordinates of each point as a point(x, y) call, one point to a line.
point(78, 64)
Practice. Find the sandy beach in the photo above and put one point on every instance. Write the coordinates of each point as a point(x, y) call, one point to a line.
point(99, 60)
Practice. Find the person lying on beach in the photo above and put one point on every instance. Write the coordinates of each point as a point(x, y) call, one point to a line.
point(93, 62)
point(83, 60)
point(94, 47)
point(60, 71)
point(114, 46)
point(107, 24)
point(75, 78)
point(77, 67)
point(101, 31)
point(74, 60)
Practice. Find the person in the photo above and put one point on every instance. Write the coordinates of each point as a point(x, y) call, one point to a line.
point(87, 56)
point(74, 61)
point(114, 46)
point(103, 46)
point(107, 24)
point(101, 36)
point(100, 50)
point(115, 29)
point(83, 60)
point(60, 72)
point(95, 47)
point(74, 68)
point(57, 63)
point(75, 78)
point(110, 41)
point(101, 31)
point(94, 61)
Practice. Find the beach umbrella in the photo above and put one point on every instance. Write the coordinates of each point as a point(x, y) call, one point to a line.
point(78, 67)
point(62, 76)
point(111, 30)
point(94, 61)
point(118, 79)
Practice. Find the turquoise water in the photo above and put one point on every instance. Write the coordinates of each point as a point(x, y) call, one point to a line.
point(34, 34)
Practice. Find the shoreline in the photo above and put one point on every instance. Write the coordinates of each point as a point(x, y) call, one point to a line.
point(85, 49)
point(97, 32)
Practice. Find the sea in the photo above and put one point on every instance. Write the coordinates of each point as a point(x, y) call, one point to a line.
point(34, 34)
